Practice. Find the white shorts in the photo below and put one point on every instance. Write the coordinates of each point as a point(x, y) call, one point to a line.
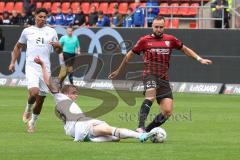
point(84, 129)
point(34, 78)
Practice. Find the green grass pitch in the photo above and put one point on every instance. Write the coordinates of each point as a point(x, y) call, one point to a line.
point(202, 127)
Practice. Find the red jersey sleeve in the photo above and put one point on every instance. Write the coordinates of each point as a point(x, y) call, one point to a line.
point(177, 44)
point(139, 46)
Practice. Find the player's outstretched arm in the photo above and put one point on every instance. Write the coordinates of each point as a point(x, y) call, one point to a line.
point(46, 77)
point(125, 60)
point(15, 54)
point(189, 52)
point(57, 47)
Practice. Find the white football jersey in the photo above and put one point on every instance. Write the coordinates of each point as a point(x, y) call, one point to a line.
point(64, 109)
point(37, 41)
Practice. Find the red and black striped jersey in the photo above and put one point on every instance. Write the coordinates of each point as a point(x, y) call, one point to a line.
point(156, 53)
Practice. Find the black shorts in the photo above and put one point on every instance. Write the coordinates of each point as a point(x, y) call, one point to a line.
point(68, 59)
point(163, 89)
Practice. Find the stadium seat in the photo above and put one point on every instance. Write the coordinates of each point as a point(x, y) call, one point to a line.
point(9, 7)
point(166, 23)
point(2, 5)
point(123, 7)
point(85, 7)
point(193, 25)
point(74, 6)
point(103, 7)
point(133, 6)
point(38, 4)
point(193, 11)
point(65, 6)
point(18, 7)
point(96, 4)
point(183, 9)
point(111, 7)
point(163, 9)
point(173, 10)
point(54, 7)
point(47, 5)
point(175, 23)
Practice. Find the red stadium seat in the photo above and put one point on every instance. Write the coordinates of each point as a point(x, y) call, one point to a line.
point(2, 5)
point(173, 10)
point(193, 11)
point(65, 6)
point(96, 4)
point(111, 7)
point(163, 9)
point(193, 25)
point(133, 5)
point(103, 7)
point(123, 7)
point(18, 7)
point(85, 7)
point(54, 7)
point(38, 4)
point(166, 23)
point(9, 7)
point(183, 10)
point(47, 5)
point(74, 6)
point(175, 23)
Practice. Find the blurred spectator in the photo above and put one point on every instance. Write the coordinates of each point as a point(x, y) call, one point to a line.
point(93, 16)
point(29, 6)
point(23, 18)
point(116, 18)
point(59, 17)
point(138, 16)
point(152, 11)
point(80, 18)
point(2, 41)
point(6, 18)
point(31, 19)
point(128, 19)
point(103, 20)
point(69, 18)
point(15, 20)
point(220, 9)
point(50, 18)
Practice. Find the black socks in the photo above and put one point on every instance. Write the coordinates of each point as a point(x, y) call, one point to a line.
point(145, 108)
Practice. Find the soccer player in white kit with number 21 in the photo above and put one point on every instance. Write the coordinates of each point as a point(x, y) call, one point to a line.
point(40, 40)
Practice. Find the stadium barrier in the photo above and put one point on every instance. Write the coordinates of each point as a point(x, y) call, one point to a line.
point(136, 86)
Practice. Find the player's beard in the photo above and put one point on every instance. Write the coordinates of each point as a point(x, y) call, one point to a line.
point(158, 35)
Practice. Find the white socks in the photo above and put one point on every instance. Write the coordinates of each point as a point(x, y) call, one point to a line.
point(28, 107)
point(125, 133)
point(34, 119)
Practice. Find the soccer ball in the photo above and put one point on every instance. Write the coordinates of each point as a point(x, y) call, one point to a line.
point(160, 136)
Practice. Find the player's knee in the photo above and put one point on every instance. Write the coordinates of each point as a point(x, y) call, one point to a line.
point(33, 92)
point(150, 98)
point(167, 111)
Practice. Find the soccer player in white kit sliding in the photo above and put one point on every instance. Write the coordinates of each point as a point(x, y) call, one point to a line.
point(79, 126)
point(40, 40)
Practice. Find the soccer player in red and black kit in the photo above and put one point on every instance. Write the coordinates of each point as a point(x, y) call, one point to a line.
point(156, 49)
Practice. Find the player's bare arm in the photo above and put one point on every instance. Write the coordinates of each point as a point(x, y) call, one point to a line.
point(189, 52)
point(46, 76)
point(57, 47)
point(125, 60)
point(16, 53)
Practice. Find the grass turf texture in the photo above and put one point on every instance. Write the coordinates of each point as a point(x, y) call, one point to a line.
point(202, 127)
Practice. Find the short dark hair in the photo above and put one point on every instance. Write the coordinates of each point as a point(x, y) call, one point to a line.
point(39, 10)
point(159, 18)
point(66, 89)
